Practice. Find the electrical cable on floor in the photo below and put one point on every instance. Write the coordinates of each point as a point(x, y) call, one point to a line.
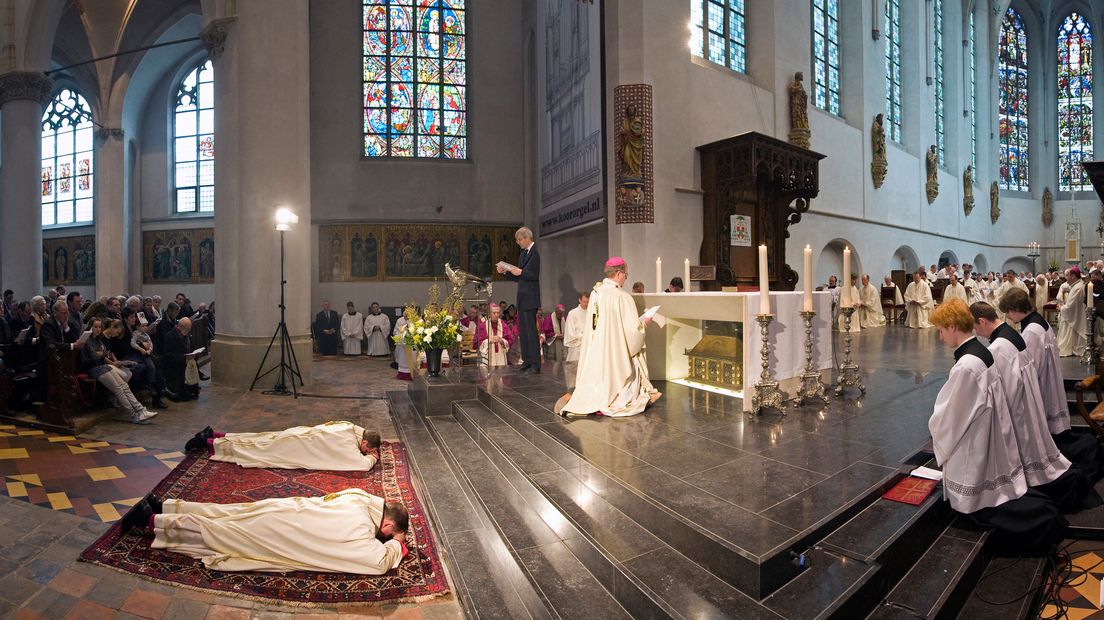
point(340, 397)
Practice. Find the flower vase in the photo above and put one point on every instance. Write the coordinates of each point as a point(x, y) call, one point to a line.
point(433, 362)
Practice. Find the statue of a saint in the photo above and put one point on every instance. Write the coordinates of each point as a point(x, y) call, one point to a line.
point(931, 165)
point(1048, 207)
point(799, 112)
point(632, 143)
point(994, 199)
point(968, 189)
point(878, 163)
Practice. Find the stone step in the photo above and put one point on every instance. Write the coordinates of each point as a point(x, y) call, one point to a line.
point(647, 576)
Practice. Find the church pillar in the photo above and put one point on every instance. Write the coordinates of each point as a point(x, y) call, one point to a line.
point(262, 162)
point(111, 213)
point(22, 97)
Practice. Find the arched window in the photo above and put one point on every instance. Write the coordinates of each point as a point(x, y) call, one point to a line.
point(67, 160)
point(893, 68)
point(826, 55)
point(972, 41)
point(194, 141)
point(1075, 104)
point(415, 79)
point(717, 32)
point(940, 111)
point(1012, 102)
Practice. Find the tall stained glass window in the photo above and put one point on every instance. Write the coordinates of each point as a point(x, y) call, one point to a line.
point(1012, 102)
point(415, 79)
point(893, 68)
point(826, 55)
point(972, 41)
point(717, 32)
point(67, 160)
point(1075, 105)
point(940, 110)
point(194, 141)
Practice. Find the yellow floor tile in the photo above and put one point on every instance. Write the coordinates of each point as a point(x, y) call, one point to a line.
point(1089, 587)
point(107, 512)
point(59, 500)
point(78, 449)
point(95, 444)
point(104, 473)
point(17, 489)
point(128, 502)
point(1087, 561)
point(60, 439)
point(130, 450)
point(31, 433)
point(14, 453)
point(7, 427)
point(171, 455)
point(28, 478)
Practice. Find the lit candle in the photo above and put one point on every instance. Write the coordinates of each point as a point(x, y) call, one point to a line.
point(764, 289)
point(845, 296)
point(808, 277)
point(659, 275)
point(686, 275)
point(1089, 297)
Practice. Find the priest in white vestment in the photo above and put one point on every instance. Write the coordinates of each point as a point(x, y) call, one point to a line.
point(403, 356)
point(352, 329)
point(612, 378)
point(493, 338)
point(349, 531)
point(918, 302)
point(954, 290)
point(573, 333)
point(1072, 326)
point(856, 303)
point(898, 299)
point(1042, 292)
point(332, 446)
point(377, 327)
point(870, 312)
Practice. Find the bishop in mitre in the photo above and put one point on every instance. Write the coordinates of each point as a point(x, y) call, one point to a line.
point(870, 312)
point(333, 446)
point(918, 302)
point(612, 378)
point(1072, 327)
point(349, 531)
point(376, 329)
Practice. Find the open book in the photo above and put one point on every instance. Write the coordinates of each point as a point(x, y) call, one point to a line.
point(649, 313)
point(197, 351)
point(84, 337)
point(22, 336)
point(507, 266)
point(927, 472)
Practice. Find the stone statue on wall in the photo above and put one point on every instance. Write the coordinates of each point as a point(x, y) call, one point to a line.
point(631, 136)
point(968, 189)
point(878, 163)
point(994, 199)
point(931, 165)
point(1048, 207)
point(799, 113)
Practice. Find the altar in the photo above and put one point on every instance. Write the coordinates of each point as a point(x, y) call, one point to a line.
point(682, 317)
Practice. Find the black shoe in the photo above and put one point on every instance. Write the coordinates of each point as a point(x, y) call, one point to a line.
point(158, 403)
point(395, 365)
point(196, 444)
point(207, 433)
point(177, 398)
point(138, 516)
point(525, 367)
point(535, 370)
point(154, 503)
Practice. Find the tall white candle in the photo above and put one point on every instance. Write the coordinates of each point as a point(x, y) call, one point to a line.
point(845, 296)
point(807, 276)
point(764, 289)
point(1089, 297)
point(659, 275)
point(686, 275)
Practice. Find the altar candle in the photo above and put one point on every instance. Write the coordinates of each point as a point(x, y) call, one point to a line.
point(808, 277)
point(686, 275)
point(659, 275)
point(845, 296)
point(1089, 297)
point(764, 290)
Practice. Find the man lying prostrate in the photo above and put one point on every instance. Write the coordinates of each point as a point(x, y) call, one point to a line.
point(975, 445)
point(345, 532)
point(333, 446)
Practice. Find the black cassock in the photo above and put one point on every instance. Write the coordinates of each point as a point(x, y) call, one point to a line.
point(327, 343)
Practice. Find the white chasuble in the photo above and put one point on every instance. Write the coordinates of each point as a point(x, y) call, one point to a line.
point(1042, 346)
point(1072, 326)
point(333, 446)
point(376, 328)
point(972, 434)
point(870, 313)
point(352, 331)
point(334, 534)
point(955, 291)
point(918, 301)
point(612, 377)
point(573, 333)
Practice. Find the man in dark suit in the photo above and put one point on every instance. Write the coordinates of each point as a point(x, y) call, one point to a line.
point(326, 326)
point(56, 333)
point(73, 300)
point(527, 275)
point(178, 348)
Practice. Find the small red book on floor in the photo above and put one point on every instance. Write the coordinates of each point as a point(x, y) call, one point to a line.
point(911, 490)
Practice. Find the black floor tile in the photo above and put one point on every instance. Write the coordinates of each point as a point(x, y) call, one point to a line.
point(753, 482)
point(820, 454)
point(567, 585)
point(818, 502)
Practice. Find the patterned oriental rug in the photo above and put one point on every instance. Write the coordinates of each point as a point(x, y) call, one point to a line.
point(419, 577)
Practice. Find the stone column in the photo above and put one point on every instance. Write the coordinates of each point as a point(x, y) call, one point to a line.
point(22, 97)
point(262, 161)
point(111, 213)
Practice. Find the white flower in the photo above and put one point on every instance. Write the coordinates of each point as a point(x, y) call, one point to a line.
point(459, 338)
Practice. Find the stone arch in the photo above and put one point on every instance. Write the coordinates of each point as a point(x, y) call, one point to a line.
point(904, 258)
point(830, 261)
point(981, 264)
point(1017, 264)
point(948, 257)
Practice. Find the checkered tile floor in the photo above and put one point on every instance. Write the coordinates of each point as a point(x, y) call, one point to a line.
point(95, 479)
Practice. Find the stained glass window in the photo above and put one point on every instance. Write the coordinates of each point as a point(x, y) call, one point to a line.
point(67, 160)
point(717, 32)
point(415, 79)
point(940, 111)
point(1012, 102)
point(826, 55)
point(972, 40)
point(194, 141)
point(893, 68)
point(1075, 105)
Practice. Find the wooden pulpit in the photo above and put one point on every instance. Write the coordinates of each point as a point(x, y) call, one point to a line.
point(755, 187)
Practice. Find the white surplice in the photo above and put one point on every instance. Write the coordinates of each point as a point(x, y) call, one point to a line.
point(613, 373)
point(333, 446)
point(1042, 345)
point(402, 357)
point(376, 328)
point(1042, 296)
point(573, 332)
point(1072, 326)
point(495, 355)
point(870, 313)
point(335, 533)
point(918, 302)
point(955, 291)
point(972, 434)
point(352, 331)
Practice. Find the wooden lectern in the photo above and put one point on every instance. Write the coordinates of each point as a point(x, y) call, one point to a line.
point(755, 187)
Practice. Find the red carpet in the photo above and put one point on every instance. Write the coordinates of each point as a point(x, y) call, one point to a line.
point(418, 577)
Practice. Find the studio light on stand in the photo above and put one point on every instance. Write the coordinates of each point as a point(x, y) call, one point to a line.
point(285, 219)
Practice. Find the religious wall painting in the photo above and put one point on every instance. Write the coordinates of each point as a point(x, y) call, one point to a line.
point(70, 261)
point(633, 161)
point(183, 256)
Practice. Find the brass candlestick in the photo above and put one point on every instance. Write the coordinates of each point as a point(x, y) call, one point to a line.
point(849, 375)
point(767, 394)
point(811, 385)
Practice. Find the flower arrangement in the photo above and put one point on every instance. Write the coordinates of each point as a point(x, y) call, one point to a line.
point(434, 328)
